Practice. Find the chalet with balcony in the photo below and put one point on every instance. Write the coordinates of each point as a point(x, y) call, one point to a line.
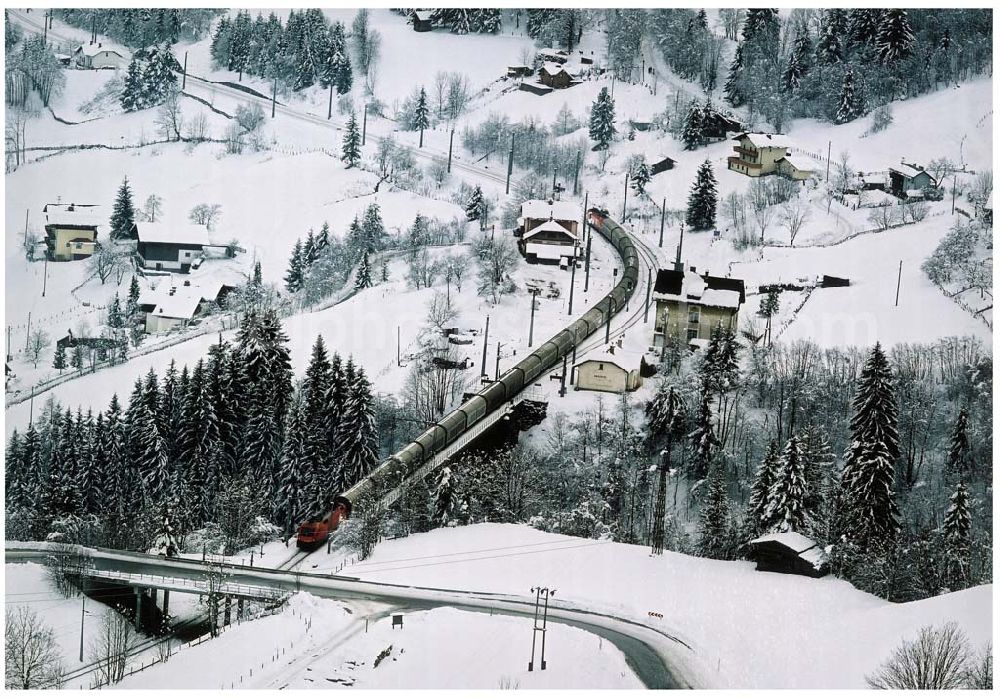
point(757, 154)
point(690, 306)
point(548, 231)
point(169, 247)
point(71, 231)
point(908, 177)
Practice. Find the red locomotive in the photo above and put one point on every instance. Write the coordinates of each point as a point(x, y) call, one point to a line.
point(315, 531)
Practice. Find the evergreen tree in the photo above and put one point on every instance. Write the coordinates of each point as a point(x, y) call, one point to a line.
point(323, 239)
point(703, 199)
point(373, 229)
point(703, 438)
point(293, 484)
point(602, 120)
point(132, 304)
point(385, 272)
point(77, 360)
point(115, 319)
point(760, 492)
point(852, 104)
point(895, 37)
point(314, 459)
point(786, 510)
point(351, 153)
point(715, 527)
point(59, 361)
point(309, 250)
point(358, 432)
point(792, 76)
point(958, 539)
point(165, 542)
point(364, 278)
point(296, 269)
point(693, 135)
point(864, 23)
point(343, 75)
point(958, 452)
point(445, 498)
point(870, 516)
point(640, 177)
point(733, 87)
point(132, 97)
point(476, 206)
point(421, 115)
point(123, 215)
point(828, 49)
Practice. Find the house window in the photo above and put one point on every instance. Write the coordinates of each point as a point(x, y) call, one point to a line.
point(694, 316)
point(692, 333)
point(600, 367)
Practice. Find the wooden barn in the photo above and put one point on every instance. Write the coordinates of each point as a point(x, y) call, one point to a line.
point(662, 164)
point(789, 553)
point(421, 20)
point(908, 177)
point(554, 75)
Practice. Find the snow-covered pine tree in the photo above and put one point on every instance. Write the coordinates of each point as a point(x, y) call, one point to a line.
point(792, 75)
point(421, 114)
point(323, 239)
point(385, 272)
point(786, 510)
point(870, 515)
point(77, 360)
point(488, 20)
point(693, 135)
point(165, 542)
point(895, 37)
point(158, 76)
point(640, 176)
point(364, 277)
point(733, 87)
point(296, 269)
point(958, 452)
point(852, 101)
point(358, 431)
point(958, 539)
point(355, 236)
point(864, 23)
point(373, 229)
point(715, 526)
point(59, 360)
point(351, 152)
point(115, 319)
point(759, 502)
point(445, 498)
point(829, 49)
point(703, 199)
point(309, 252)
point(315, 458)
point(123, 213)
point(703, 438)
point(132, 304)
point(131, 97)
point(343, 75)
point(474, 207)
point(820, 465)
point(602, 119)
point(295, 491)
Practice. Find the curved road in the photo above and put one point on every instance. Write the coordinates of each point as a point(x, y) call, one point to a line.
point(657, 657)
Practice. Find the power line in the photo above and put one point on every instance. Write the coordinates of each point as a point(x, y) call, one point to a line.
point(462, 552)
point(488, 557)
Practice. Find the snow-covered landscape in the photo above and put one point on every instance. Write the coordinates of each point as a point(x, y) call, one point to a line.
point(498, 348)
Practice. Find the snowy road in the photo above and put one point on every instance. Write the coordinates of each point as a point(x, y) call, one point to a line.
point(656, 657)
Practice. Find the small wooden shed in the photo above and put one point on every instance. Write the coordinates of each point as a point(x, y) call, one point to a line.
point(609, 372)
point(662, 164)
point(789, 553)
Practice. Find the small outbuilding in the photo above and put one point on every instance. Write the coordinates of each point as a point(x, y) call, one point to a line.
point(662, 164)
point(794, 168)
point(555, 75)
point(609, 372)
point(789, 553)
point(421, 20)
point(907, 177)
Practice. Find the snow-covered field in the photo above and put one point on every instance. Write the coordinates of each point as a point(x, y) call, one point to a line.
point(747, 629)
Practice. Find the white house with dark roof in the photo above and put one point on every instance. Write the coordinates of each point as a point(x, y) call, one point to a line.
point(548, 231)
point(165, 246)
point(690, 306)
point(175, 303)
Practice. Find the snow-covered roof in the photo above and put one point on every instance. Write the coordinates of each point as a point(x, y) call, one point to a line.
point(92, 50)
point(423, 15)
point(73, 215)
point(553, 68)
point(176, 300)
point(873, 177)
point(908, 170)
point(766, 140)
point(797, 163)
point(804, 547)
point(556, 210)
point(543, 251)
point(550, 226)
point(625, 360)
point(688, 285)
point(173, 233)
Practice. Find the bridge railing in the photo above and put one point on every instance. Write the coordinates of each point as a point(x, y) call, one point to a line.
point(200, 586)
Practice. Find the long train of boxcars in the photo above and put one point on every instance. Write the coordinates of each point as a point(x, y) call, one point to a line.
point(402, 464)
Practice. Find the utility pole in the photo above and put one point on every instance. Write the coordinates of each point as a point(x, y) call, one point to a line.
point(510, 163)
point(625, 200)
point(586, 275)
point(329, 106)
point(562, 380)
point(574, 363)
point(83, 614)
point(27, 331)
point(26, 211)
point(954, 189)
point(649, 288)
point(576, 174)
point(540, 593)
point(274, 97)
point(899, 279)
point(9, 354)
point(398, 345)
point(829, 148)
point(486, 339)
point(364, 126)
point(451, 142)
point(497, 376)
point(572, 280)
point(45, 276)
point(184, 75)
point(553, 183)
point(607, 325)
point(531, 327)
point(663, 220)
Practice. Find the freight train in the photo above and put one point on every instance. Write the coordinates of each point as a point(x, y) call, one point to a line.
point(402, 464)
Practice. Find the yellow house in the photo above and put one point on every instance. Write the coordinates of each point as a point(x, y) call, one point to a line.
point(70, 231)
point(690, 306)
point(757, 154)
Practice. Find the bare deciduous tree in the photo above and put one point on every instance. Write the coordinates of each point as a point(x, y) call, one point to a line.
point(431, 389)
point(154, 204)
point(197, 127)
point(37, 343)
point(794, 215)
point(440, 311)
point(422, 269)
point(31, 654)
point(883, 217)
point(936, 660)
point(206, 214)
point(110, 648)
point(168, 117)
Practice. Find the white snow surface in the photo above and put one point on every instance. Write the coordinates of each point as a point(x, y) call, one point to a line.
point(739, 622)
